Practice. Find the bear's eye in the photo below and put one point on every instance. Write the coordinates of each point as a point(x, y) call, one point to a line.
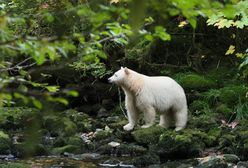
point(115, 75)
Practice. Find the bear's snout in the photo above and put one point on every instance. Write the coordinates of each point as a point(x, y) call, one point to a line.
point(110, 80)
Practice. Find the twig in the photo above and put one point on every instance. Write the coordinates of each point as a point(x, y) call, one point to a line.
point(119, 93)
point(17, 67)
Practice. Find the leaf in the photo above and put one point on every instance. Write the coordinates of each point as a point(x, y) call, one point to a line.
point(224, 23)
point(182, 24)
point(37, 103)
point(52, 89)
point(73, 93)
point(230, 50)
point(149, 37)
point(192, 22)
point(160, 32)
point(58, 99)
point(239, 55)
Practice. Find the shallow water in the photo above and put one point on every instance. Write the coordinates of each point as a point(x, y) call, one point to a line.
point(54, 162)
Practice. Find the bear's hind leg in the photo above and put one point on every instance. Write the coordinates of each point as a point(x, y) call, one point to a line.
point(165, 120)
point(149, 114)
point(181, 119)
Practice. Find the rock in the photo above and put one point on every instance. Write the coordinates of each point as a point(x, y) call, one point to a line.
point(144, 160)
point(231, 158)
point(102, 112)
point(103, 135)
point(114, 144)
point(115, 163)
point(181, 145)
point(148, 136)
point(242, 164)
point(66, 148)
point(189, 163)
point(84, 156)
point(7, 157)
point(212, 162)
point(5, 143)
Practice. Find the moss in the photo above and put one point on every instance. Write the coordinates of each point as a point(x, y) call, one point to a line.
point(224, 110)
point(231, 95)
point(227, 140)
point(118, 124)
point(70, 127)
point(213, 136)
point(58, 126)
point(131, 149)
point(204, 122)
point(5, 143)
point(199, 107)
point(104, 134)
point(14, 165)
point(195, 81)
point(178, 145)
point(74, 140)
point(148, 136)
point(67, 148)
point(144, 160)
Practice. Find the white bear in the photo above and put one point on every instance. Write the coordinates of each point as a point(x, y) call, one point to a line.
point(151, 94)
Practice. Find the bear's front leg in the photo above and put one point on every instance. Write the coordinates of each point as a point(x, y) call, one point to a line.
point(149, 114)
point(132, 113)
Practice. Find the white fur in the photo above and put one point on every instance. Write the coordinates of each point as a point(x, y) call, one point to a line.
point(150, 95)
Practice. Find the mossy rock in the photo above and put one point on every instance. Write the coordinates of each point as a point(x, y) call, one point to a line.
point(70, 127)
point(204, 122)
point(5, 143)
point(231, 95)
point(67, 148)
point(82, 120)
point(131, 149)
point(225, 111)
point(195, 81)
point(213, 162)
point(123, 150)
point(58, 126)
point(103, 135)
point(148, 135)
point(144, 160)
point(180, 145)
point(14, 165)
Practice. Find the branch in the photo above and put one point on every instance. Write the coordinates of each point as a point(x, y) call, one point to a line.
point(18, 66)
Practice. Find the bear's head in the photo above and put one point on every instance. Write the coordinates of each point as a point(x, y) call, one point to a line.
point(120, 76)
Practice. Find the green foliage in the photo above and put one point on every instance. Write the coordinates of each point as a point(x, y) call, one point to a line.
point(241, 110)
point(5, 142)
point(211, 96)
point(195, 81)
point(15, 116)
point(232, 15)
point(231, 95)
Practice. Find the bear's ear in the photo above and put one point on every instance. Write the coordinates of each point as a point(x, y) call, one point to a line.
point(122, 67)
point(126, 70)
